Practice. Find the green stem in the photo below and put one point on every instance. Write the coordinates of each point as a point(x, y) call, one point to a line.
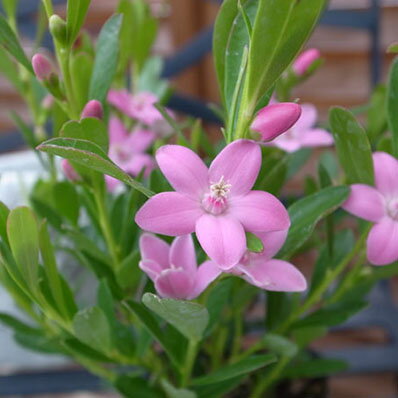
point(105, 225)
point(236, 345)
point(48, 6)
point(189, 362)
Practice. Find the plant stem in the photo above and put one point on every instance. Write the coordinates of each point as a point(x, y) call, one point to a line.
point(48, 6)
point(189, 362)
point(105, 225)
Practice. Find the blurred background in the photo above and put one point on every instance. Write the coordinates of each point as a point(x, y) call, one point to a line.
point(352, 38)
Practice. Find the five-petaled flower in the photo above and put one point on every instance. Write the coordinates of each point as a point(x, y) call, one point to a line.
point(127, 150)
point(379, 205)
point(173, 269)
point(303, 133)
point(265, 272)
point(216, 203)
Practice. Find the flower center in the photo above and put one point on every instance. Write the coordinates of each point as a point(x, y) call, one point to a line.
point(392, 209)
point(215, 202)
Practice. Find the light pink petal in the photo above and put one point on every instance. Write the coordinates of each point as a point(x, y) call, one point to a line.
point(111, 183)
point(140, 140)
point(260, 211)
point(287, 145)
point(117, 132)
point(184, 169)
point(308, 118)
point(239, 164)
point(183, 255)
point(174, 283)
point(155, 249)
point(316, 138)
point(139, 162)
point(206, 274)
point(272, 241)
point(386, 173)
point(365, 202)
point(151, 268)
point(382, 243)
point(169, 213)
point(274, 275)
point(120, 99)
point(222, 238)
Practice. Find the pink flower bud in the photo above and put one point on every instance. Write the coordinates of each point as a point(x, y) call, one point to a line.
point(93, 108)
point(42, 67)
point(275, 119)
point(305, 60)
point(69, 171)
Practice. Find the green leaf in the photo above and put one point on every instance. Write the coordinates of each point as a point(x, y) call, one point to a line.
point(297, 160)
point(254, 244)
point(392, 104)
point(66, 200)
point(280, 345)
point(10, 7)
point(16, 325)
point(92, 328)
point(90, 155)
point(9, 70)
point(76, 14)
point(280, 30)
point(304, 336)
point(189, 318)
point(10, 43)
point(152, 326)
point(243, 367)
point(377, 113)
point(315, 368)
point(352, 145)
point(135, 387)
point(81, 66)
point(105, 63)
point(173, 392)
point(392, 48)
point(307, 212)
point(22, 230)
point(26, 131)
point(4, 212)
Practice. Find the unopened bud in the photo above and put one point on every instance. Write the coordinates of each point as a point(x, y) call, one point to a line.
point(305, 60)
point(42, 67)
point(57, 28)
point(93, 108)
point(275, 119)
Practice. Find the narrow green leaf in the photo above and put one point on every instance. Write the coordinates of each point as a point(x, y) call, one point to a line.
point(280, 345)
point(26, 131)
point(315, 368)
point(92, 156)
point(174, 392)
point(9, 70)
point(10, 43)
point(352, 145)
point(22, 230)
point(105, 63)
point(189, 318)
point(76, 14)
point(307, 212)
point(66, 201)
point(243, 367)
point(4, 212)
point(392, 104)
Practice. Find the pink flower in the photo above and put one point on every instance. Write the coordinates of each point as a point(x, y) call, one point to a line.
point(127, 150)
point(305, 60)
point(42, 67)
point(93, 108)
point(261, 270)
point(173, 268)
point(139, 106)
point(303, 134)
point(275, 119)
point(379, 205)
point(216, 203)
point(68, 170)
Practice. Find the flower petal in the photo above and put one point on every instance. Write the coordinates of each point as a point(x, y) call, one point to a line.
point(184, 169)
point(117, 132)
point(308, 118)
point(169, 213)
point(140, 140)
point(382, 243)
point(174, 283)
point(274, 275)
point(272, 241)
point(316, 138)
point(207, 273)
point(260, 211)
point(155, 249)
point(120, 99)
point(183, 255)
point(287, 144)
point(222, 238)
point(137, 163)
point(151, 268)
point(239, 163)
point(365, 202)
point(386, 173)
